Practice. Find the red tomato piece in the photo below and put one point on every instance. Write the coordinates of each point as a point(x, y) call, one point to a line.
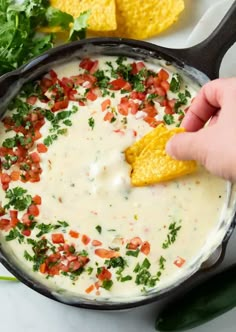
point(105, 104)
point(169, 110)
point(163, 75)
point(37, 200)
point(96, 243)
point(26, 219)
point(33, 210)
point(58, 238)
point(13, 214)
point(86, 64)
point(91, 96)
point(53, 76)
point(89, 289)
point(108, 116)
point(43, 268)
point(145, 248)
point(152, 121)
point(60, 105)
point(41, 148)
point(35, 157)
point(26, 232)
point(31, 100)
point(15, 175)
point(94, 67)
point(165, 85)
point(85, 239)
point(117, 84)
point(5, 178)
point(179, 262)
point(104, 274)
point(74, 234)
point(4, 224)
point(104, 253)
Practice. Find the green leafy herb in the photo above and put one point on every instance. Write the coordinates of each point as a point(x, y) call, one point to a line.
point(169, 119)
point(171, 236)
point(175, 83)
point(133, 253)
point(99, 229)
point(18, 199)
point(91, 122)
point(107, 284)
point(14, 234)
point(116, 262)
point(19, 41)
point(126, 278)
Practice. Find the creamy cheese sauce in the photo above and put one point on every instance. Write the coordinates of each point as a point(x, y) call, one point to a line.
point(85, 181)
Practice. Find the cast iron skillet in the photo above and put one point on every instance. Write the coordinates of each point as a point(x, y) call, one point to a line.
point(200, 62)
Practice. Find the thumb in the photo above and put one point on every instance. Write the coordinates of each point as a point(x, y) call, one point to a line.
point(187, 146)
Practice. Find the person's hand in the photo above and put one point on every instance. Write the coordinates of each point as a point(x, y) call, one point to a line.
point(213, 145)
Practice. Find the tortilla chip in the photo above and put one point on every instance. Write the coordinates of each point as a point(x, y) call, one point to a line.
point(141, 19)
point(153, 165)
point(134, 151)
point(103, 12)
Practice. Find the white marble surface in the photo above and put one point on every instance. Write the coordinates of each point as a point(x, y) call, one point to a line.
point(23, 310)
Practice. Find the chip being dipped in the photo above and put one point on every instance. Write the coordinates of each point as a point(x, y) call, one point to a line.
point(150, 162)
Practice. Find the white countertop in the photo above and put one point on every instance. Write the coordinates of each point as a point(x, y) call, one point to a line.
point(23, 310)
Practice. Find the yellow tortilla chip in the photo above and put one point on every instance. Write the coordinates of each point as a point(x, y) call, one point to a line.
point(132, 152)
point(142, 19)
point(153, 165)
point(103, 12)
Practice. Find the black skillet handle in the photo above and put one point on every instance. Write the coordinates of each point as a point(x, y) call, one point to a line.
point(207, 55)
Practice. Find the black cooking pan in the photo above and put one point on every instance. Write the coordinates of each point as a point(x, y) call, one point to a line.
point(200, 62)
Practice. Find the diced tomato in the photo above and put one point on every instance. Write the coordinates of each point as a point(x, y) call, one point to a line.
point(160, 91)
point(74, 234)
point(164, 102)
point(26, 232)
point(60, 105)
point(54, 270)
point(156, 82)
point(35, 157)
point(133, 107)
point(123, 108)
point(96, 243)
point(104, 253)
point(94, 67)
point(54, 257)
point(26, 219)
point(136, 67)
point(169, 110)
point(127, 86)
point(58, 238)
point(108, 116)
point(86, 64)
point(53, 76)
point(5, 178)
point(45, 84)
point(163, 75)
point(41, 148)
point(5, 186)
point(117, 84)
point(72, 258)
point(4, 224)
point(134, 243)
point(91, 96)
point(171, 103)
point(165, 85)
point(37, 200)
point(85, 239)
point(104, 274)
point(105, 104)
point(33, 210)
point(89, 289)
point(42, 268)
point(13, 214)
point(152, 121)
point(145, 248)
point(15, 175)
point(31, 100)
point(137, 95)
point(150, 110)
point(75, 265)
point(179, 262)
point(37, 135)
point(81, 103)
point(82, 78)
point(20, 152)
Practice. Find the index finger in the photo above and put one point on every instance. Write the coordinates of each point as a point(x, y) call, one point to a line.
point(204, 106)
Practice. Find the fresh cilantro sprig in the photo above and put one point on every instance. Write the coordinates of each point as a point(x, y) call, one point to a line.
point(19, 23)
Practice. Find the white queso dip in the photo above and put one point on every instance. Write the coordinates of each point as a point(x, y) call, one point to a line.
point(68, 211)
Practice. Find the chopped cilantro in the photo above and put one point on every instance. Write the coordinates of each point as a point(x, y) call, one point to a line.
point(14, 234)
point(99, 229)
point(175, 83)
point(18, 199)
point(126, 278)
point(91, 122)
point(171, 236)
point(116, 262)
point(133, 253)
point(107, 284)
point(169, 119)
